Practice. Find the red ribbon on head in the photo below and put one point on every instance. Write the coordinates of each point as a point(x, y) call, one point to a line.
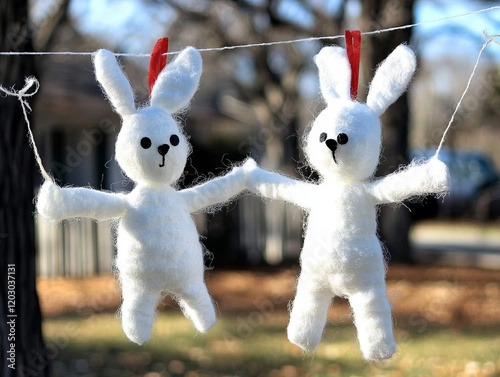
point(157, 61)
point(353, 47)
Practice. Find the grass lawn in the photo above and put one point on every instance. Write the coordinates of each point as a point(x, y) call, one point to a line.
point(254, 343)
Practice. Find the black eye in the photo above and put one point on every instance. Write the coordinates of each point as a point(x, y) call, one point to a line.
point(322, 137)
point(342, 139)
point(145, 142)
point(174, 140)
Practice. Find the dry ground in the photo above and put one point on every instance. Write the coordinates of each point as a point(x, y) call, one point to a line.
point(420, 295)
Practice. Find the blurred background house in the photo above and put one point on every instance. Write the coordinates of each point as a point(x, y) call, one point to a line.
point(255, 102)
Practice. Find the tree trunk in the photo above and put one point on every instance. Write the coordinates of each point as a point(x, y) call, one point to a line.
point(20, 324)
point(394, 223)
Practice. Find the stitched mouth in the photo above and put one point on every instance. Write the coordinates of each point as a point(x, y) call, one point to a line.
point(334, 158)
point(163, 150)
point(332, 145)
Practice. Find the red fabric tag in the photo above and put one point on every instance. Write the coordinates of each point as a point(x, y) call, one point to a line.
point(353, 47)
point(157, 61)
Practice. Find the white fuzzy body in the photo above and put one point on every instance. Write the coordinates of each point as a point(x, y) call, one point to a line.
point(157, 236)
point(341, 234)
point(158, 247)
point(159, 252)
point(342, 255)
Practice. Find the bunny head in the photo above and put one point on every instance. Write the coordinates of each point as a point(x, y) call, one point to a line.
point(345, 139)
point(151, 148)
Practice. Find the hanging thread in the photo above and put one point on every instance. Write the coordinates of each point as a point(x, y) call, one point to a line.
point(491, 38)
point(22, 95)
point(225, 48)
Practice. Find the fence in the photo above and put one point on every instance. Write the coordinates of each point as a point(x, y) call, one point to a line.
point(253, 233)
point(77, 248)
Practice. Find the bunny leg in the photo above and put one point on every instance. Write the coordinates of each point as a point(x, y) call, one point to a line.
point(308, 315)
point(372, 316)
point(138, 310)
point(197, 306)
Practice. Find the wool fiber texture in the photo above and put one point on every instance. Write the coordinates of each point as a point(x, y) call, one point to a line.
point(158, 247)
point(342, 255)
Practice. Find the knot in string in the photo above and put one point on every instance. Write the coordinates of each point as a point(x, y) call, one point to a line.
point(31, 86)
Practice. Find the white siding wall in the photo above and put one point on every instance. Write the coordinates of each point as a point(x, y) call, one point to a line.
point(74, 249)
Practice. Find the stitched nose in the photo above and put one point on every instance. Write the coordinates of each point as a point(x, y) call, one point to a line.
point(163, 149)
point(331, 144)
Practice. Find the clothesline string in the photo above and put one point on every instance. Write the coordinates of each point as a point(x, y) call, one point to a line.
point(23, 94)
point(263, 44)
point(31, 83)
point(490, 38)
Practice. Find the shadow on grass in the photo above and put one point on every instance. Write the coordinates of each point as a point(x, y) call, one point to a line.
point(252, 345)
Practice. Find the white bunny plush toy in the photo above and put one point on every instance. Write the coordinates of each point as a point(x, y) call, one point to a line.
point(158, 248)
point(342, 255)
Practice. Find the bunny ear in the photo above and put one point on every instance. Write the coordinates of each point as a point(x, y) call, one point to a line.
point(114, 82)
point(178, 81)
point(391, 79)
point(334, 73)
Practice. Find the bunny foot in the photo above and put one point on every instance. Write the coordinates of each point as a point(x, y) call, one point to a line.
point(372, 316)
point(379, 351)
point(197, 306)
point(138, 315)
point(305, 331)
point(308, 316)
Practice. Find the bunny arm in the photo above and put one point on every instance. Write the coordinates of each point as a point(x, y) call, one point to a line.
point(275, 186)
point(432, 177)
point(215, 191)
point(58, 203)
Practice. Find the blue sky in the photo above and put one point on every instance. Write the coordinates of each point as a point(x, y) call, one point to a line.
point(458, 36)
point(133, 26)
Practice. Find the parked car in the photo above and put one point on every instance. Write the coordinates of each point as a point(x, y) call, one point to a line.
point(475, 186)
